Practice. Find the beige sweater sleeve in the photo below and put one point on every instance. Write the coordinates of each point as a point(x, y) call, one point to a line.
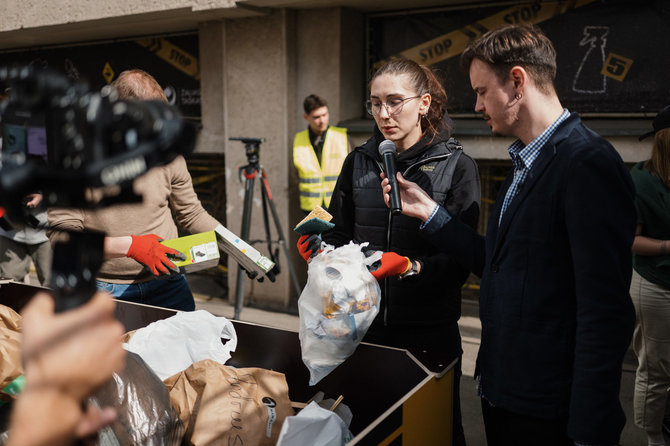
point(186, 207)
point(164, 189)
point(62, 219)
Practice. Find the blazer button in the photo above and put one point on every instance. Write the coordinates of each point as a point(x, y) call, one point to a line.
point(494, 268)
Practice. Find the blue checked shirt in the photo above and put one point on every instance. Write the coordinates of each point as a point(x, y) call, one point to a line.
point(524, 157)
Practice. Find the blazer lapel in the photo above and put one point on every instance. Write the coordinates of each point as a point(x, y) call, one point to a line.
point(546, 155)
point(543, 160)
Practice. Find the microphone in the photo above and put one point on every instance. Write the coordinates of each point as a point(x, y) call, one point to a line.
point(387, 150)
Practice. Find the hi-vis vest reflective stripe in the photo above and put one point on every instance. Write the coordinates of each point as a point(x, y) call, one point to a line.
point(317, 180)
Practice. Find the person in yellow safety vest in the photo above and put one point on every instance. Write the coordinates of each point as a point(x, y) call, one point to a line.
point(318, 154)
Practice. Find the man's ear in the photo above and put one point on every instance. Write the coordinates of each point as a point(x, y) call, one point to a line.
point(519, 76)
point(305, 115)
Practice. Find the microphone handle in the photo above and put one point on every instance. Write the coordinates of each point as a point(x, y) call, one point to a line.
point(389, 167)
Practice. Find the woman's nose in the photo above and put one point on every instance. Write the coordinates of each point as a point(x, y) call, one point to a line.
point(384, 111)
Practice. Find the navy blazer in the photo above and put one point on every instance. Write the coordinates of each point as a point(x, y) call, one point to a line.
point(554, 302)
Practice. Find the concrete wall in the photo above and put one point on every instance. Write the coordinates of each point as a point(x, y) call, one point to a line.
point(38, 13)
point(330, 60)
point(257, 59)
point(212, 87)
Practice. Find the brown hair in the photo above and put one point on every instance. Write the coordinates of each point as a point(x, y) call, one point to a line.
point(515, 45)
point(138, 84)
point(312, 102)
point(659, 162)
point(422, 80)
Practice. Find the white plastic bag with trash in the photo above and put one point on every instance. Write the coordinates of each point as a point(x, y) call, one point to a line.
point(314, 425)
point(337, 306)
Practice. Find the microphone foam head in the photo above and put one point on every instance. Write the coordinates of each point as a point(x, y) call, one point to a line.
point(386, 146)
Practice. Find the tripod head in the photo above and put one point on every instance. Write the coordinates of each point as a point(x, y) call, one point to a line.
point(252, 147)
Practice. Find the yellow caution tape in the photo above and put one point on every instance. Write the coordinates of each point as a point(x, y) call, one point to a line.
point(453, 43)
point(173, 55)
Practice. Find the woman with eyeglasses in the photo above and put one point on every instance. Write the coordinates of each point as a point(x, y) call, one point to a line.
point(421, 287)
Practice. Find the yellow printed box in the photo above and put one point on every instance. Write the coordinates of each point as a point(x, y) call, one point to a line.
point(201, 251)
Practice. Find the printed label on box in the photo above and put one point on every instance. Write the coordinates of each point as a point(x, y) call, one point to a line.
point(206, 251)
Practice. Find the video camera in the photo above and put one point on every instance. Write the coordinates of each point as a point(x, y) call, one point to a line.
point(93, 140)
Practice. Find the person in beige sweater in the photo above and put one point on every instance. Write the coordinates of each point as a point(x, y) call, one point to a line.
point(137, 267)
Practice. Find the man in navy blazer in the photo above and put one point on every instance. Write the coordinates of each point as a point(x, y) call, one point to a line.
point(555, 264)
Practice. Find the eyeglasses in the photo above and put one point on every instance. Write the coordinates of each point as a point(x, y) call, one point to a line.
point(393, 106)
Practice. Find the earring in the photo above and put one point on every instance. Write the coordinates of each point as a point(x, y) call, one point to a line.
point(518, 96)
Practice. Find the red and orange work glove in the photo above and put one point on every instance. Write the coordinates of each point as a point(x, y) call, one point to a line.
point(309, 246)
point(147, 250)
point(391, 264)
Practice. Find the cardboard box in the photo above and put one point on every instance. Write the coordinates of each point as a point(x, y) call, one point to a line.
point(243, 253)
point(201, 250)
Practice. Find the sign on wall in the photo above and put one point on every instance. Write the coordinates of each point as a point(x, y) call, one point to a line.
point(172, 60)
point(613, 56)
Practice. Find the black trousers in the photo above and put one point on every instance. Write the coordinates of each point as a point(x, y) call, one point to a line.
point(508, 428)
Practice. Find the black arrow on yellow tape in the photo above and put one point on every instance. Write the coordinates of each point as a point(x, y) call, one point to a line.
point(154, 45)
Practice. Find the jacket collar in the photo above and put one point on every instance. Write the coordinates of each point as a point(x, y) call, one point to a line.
point(440, 145)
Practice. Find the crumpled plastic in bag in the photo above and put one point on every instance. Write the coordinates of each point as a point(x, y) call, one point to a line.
point(171, 345)
point(336, 307)
point(314, 425)
point(144, 413)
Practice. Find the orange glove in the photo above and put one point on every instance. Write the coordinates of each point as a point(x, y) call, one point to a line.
point(308, 246)
point(391, 264)
point(147, 250)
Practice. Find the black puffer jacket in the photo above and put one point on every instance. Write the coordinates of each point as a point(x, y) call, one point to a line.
point(433, 298)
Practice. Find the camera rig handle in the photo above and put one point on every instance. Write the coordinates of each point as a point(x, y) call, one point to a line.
point(77, 257)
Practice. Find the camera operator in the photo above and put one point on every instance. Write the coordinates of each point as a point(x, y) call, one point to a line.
point(137, 267)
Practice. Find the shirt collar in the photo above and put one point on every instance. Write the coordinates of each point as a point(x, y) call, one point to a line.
point(524, 156)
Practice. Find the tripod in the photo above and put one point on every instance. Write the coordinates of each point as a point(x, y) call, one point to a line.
point(250, 171)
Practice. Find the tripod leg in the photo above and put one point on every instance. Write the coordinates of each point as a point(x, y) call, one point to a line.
point(246, 221)
point(268, 236)
point(280, 233)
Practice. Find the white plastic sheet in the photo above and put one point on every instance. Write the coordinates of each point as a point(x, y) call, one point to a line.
point(171, 345)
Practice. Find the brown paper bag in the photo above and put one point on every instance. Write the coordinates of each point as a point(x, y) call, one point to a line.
point(10, 348)
point(221, 405)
